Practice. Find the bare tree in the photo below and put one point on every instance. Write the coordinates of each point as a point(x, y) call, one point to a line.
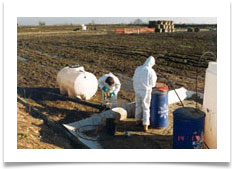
point(138, 22)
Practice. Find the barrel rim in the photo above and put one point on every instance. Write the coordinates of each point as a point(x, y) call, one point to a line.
point(161, 87)
point(183, 117)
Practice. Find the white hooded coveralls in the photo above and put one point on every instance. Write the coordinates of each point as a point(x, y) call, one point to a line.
point(113, 88)
point(144, 80)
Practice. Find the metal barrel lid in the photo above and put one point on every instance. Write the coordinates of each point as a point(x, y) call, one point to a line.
point(188, 113)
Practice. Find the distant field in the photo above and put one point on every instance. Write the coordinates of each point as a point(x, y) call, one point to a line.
point(99, 51)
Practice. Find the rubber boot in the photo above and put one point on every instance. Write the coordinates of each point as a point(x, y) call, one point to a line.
point(145, 128)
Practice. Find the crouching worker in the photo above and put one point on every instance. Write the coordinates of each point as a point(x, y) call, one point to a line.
point(110, 86)
point(144, 80)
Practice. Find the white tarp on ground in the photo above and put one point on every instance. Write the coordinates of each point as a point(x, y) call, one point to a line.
point(182, 93)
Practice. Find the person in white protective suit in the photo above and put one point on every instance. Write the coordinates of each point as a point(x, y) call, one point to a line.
point(144, 80)
point(110, 86)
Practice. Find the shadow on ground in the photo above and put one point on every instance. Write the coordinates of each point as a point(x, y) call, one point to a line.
point(52, 131)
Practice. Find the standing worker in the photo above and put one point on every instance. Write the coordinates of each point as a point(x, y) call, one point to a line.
point(110, 86)
point(144, 80)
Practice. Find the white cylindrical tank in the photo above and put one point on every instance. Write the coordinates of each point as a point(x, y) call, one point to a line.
point(210, 105)
point(76, 82)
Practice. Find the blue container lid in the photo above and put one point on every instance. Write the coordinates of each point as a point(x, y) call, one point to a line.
point(188, 113)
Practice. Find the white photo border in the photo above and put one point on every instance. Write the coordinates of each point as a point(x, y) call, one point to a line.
point(120, 8)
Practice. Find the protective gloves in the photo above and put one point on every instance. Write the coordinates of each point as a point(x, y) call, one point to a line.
point(112, 94)
point(105, 89)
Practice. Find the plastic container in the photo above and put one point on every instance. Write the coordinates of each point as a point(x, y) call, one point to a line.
point(188, 128)
point(84, 28)
point(210, 104)
point(76, 82)
point(159, 106)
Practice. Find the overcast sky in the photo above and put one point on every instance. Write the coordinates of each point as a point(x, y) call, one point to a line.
point(109, 20)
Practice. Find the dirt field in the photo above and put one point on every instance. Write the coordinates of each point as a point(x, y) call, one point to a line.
point(42, 52)
point(33, 134)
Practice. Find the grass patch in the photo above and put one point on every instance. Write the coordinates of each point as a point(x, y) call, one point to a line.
point(21, 135)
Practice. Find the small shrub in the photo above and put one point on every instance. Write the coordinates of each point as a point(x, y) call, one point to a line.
point(22, 135)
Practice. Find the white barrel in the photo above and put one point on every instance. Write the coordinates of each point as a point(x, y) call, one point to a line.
point(210, 105)
point(76, 82)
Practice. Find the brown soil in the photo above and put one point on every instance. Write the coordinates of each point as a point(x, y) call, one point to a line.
point(33, 134)
point(40, 57)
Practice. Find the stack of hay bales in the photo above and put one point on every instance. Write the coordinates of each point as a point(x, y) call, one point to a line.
point(162, 26)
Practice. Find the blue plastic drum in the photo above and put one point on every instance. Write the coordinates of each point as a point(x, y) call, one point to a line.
point(159, 106)
point(188, 128)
